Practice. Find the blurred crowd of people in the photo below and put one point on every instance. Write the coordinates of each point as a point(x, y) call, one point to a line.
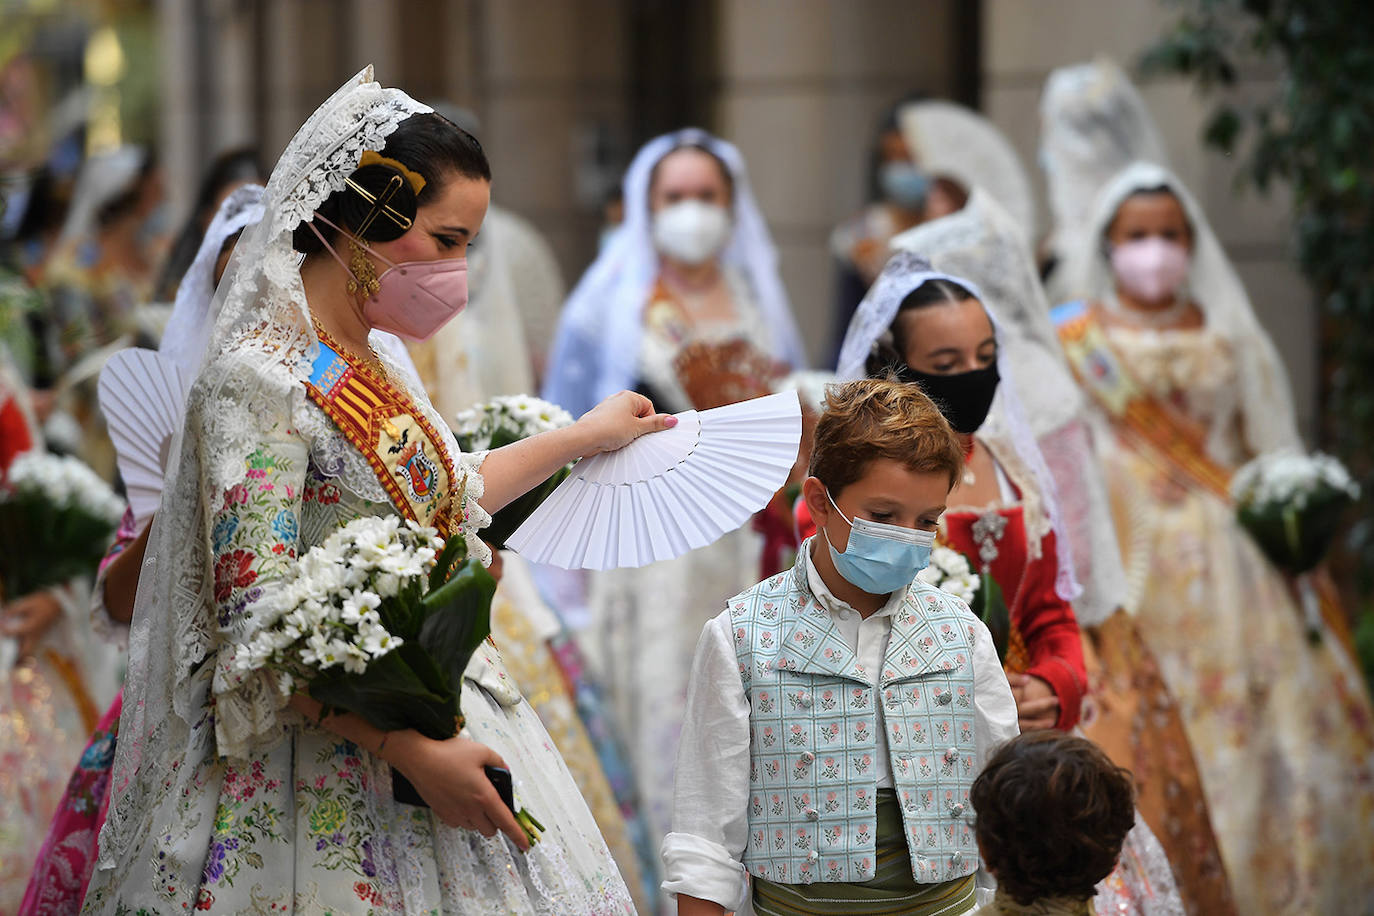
point(1104, 382)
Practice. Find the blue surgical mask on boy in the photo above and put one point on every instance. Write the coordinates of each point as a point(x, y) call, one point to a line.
point(880, 558)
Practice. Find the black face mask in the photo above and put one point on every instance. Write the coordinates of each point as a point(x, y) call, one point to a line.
point(964, 399)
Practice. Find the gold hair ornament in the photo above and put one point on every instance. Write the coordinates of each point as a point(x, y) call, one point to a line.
point(371, 157)
point(381, 203)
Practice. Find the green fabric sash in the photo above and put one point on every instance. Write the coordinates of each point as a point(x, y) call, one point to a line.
point(892, 891)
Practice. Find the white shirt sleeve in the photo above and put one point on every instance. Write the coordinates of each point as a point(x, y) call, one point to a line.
point(701, 857)
point(995, 719)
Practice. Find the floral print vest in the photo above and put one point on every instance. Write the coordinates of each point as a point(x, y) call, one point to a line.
point(813, 720)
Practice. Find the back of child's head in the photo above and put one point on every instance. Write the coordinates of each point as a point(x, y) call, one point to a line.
point(881, 418)
point(1053, 811)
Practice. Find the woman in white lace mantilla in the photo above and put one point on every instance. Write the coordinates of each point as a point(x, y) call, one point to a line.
point(228, 795)
point(686, 305)
point(1184, 385)
point(1127, 710)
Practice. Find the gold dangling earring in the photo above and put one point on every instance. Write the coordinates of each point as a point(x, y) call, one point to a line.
point(364, 277)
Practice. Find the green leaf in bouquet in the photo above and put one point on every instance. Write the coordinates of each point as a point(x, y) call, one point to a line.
point(991, 608)
point(503, 436)
point(402, 615)
point(458, 618)
point(42, 545)
point(402, 689)
point(505, 521)
point(1296, 540)
point(454, 552)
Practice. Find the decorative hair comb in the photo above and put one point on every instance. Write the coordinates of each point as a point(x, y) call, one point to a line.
point(381, 202)
point(372, 157)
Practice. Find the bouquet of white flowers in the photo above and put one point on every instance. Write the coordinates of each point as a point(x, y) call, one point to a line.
point(950, 571)
point(381, 620)
point(56, 520)
point(497, 423)
point(1292, 506)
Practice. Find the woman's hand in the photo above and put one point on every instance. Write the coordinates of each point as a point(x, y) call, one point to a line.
point(449, 776)
point(619, 420)
point(1037, 706)
point(28, 620)
point(614, 423)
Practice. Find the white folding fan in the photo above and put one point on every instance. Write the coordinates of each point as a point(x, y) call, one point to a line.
point(668, 492)
point(143, 395)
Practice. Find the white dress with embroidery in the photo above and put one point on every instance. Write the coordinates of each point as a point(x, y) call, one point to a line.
point(262, 812)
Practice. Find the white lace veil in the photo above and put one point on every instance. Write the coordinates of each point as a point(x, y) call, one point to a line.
point(1266, 402)
point(905, 272)
point(950, 139)
point(103, 177)
point(1093, 123)
point(188, 329)
point(257, 359)
point(596, 350)
point(983, 243)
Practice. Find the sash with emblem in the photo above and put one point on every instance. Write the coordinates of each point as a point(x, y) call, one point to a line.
point(384, 424)
point(1173, 439)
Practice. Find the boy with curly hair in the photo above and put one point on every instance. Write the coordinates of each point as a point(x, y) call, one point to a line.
point(1053, 813)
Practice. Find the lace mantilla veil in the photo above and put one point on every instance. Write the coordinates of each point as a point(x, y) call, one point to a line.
point(1093, 123)
point(258, 357)
point(1268, 421)
point(904, 272)
point(953, 140)
point(596, 350)
point(188, 328)
point(982, 242)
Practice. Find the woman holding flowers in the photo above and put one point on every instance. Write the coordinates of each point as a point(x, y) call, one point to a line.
point(233, 790)
point(1185, 386)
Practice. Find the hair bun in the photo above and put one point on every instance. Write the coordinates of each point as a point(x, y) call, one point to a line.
point(387, 208)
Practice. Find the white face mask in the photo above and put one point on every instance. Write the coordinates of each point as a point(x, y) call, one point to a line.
point(691, 231)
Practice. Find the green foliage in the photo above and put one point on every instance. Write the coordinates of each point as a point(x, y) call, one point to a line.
point(1314, 133)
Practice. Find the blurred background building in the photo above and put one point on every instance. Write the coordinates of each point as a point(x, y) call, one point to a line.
point(566, 90)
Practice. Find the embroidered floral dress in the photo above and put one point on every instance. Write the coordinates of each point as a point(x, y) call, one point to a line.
point(63, 868)
point(264, 812)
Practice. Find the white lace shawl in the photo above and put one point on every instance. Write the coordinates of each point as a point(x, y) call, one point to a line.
point(596, 350)
point(982, 242)
point(1267, 416)
point(904, 272)
point(251, 381)
point(1093, 123)
point(188, 328)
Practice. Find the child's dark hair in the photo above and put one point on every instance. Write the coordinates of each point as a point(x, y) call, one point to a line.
point(1053, 812)
point(889, 355)
point(881, 418)
point(428, 144)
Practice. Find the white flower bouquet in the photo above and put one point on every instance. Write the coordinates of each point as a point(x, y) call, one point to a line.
point(381, 620)
point(56, 520)
point(1292, 505)
point(950, 571)
point(497, 423)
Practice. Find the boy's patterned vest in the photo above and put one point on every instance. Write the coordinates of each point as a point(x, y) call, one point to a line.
point(812, 721)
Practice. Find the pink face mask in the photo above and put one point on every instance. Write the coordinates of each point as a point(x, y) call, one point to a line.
point(1151, 269)
point(414, 299)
